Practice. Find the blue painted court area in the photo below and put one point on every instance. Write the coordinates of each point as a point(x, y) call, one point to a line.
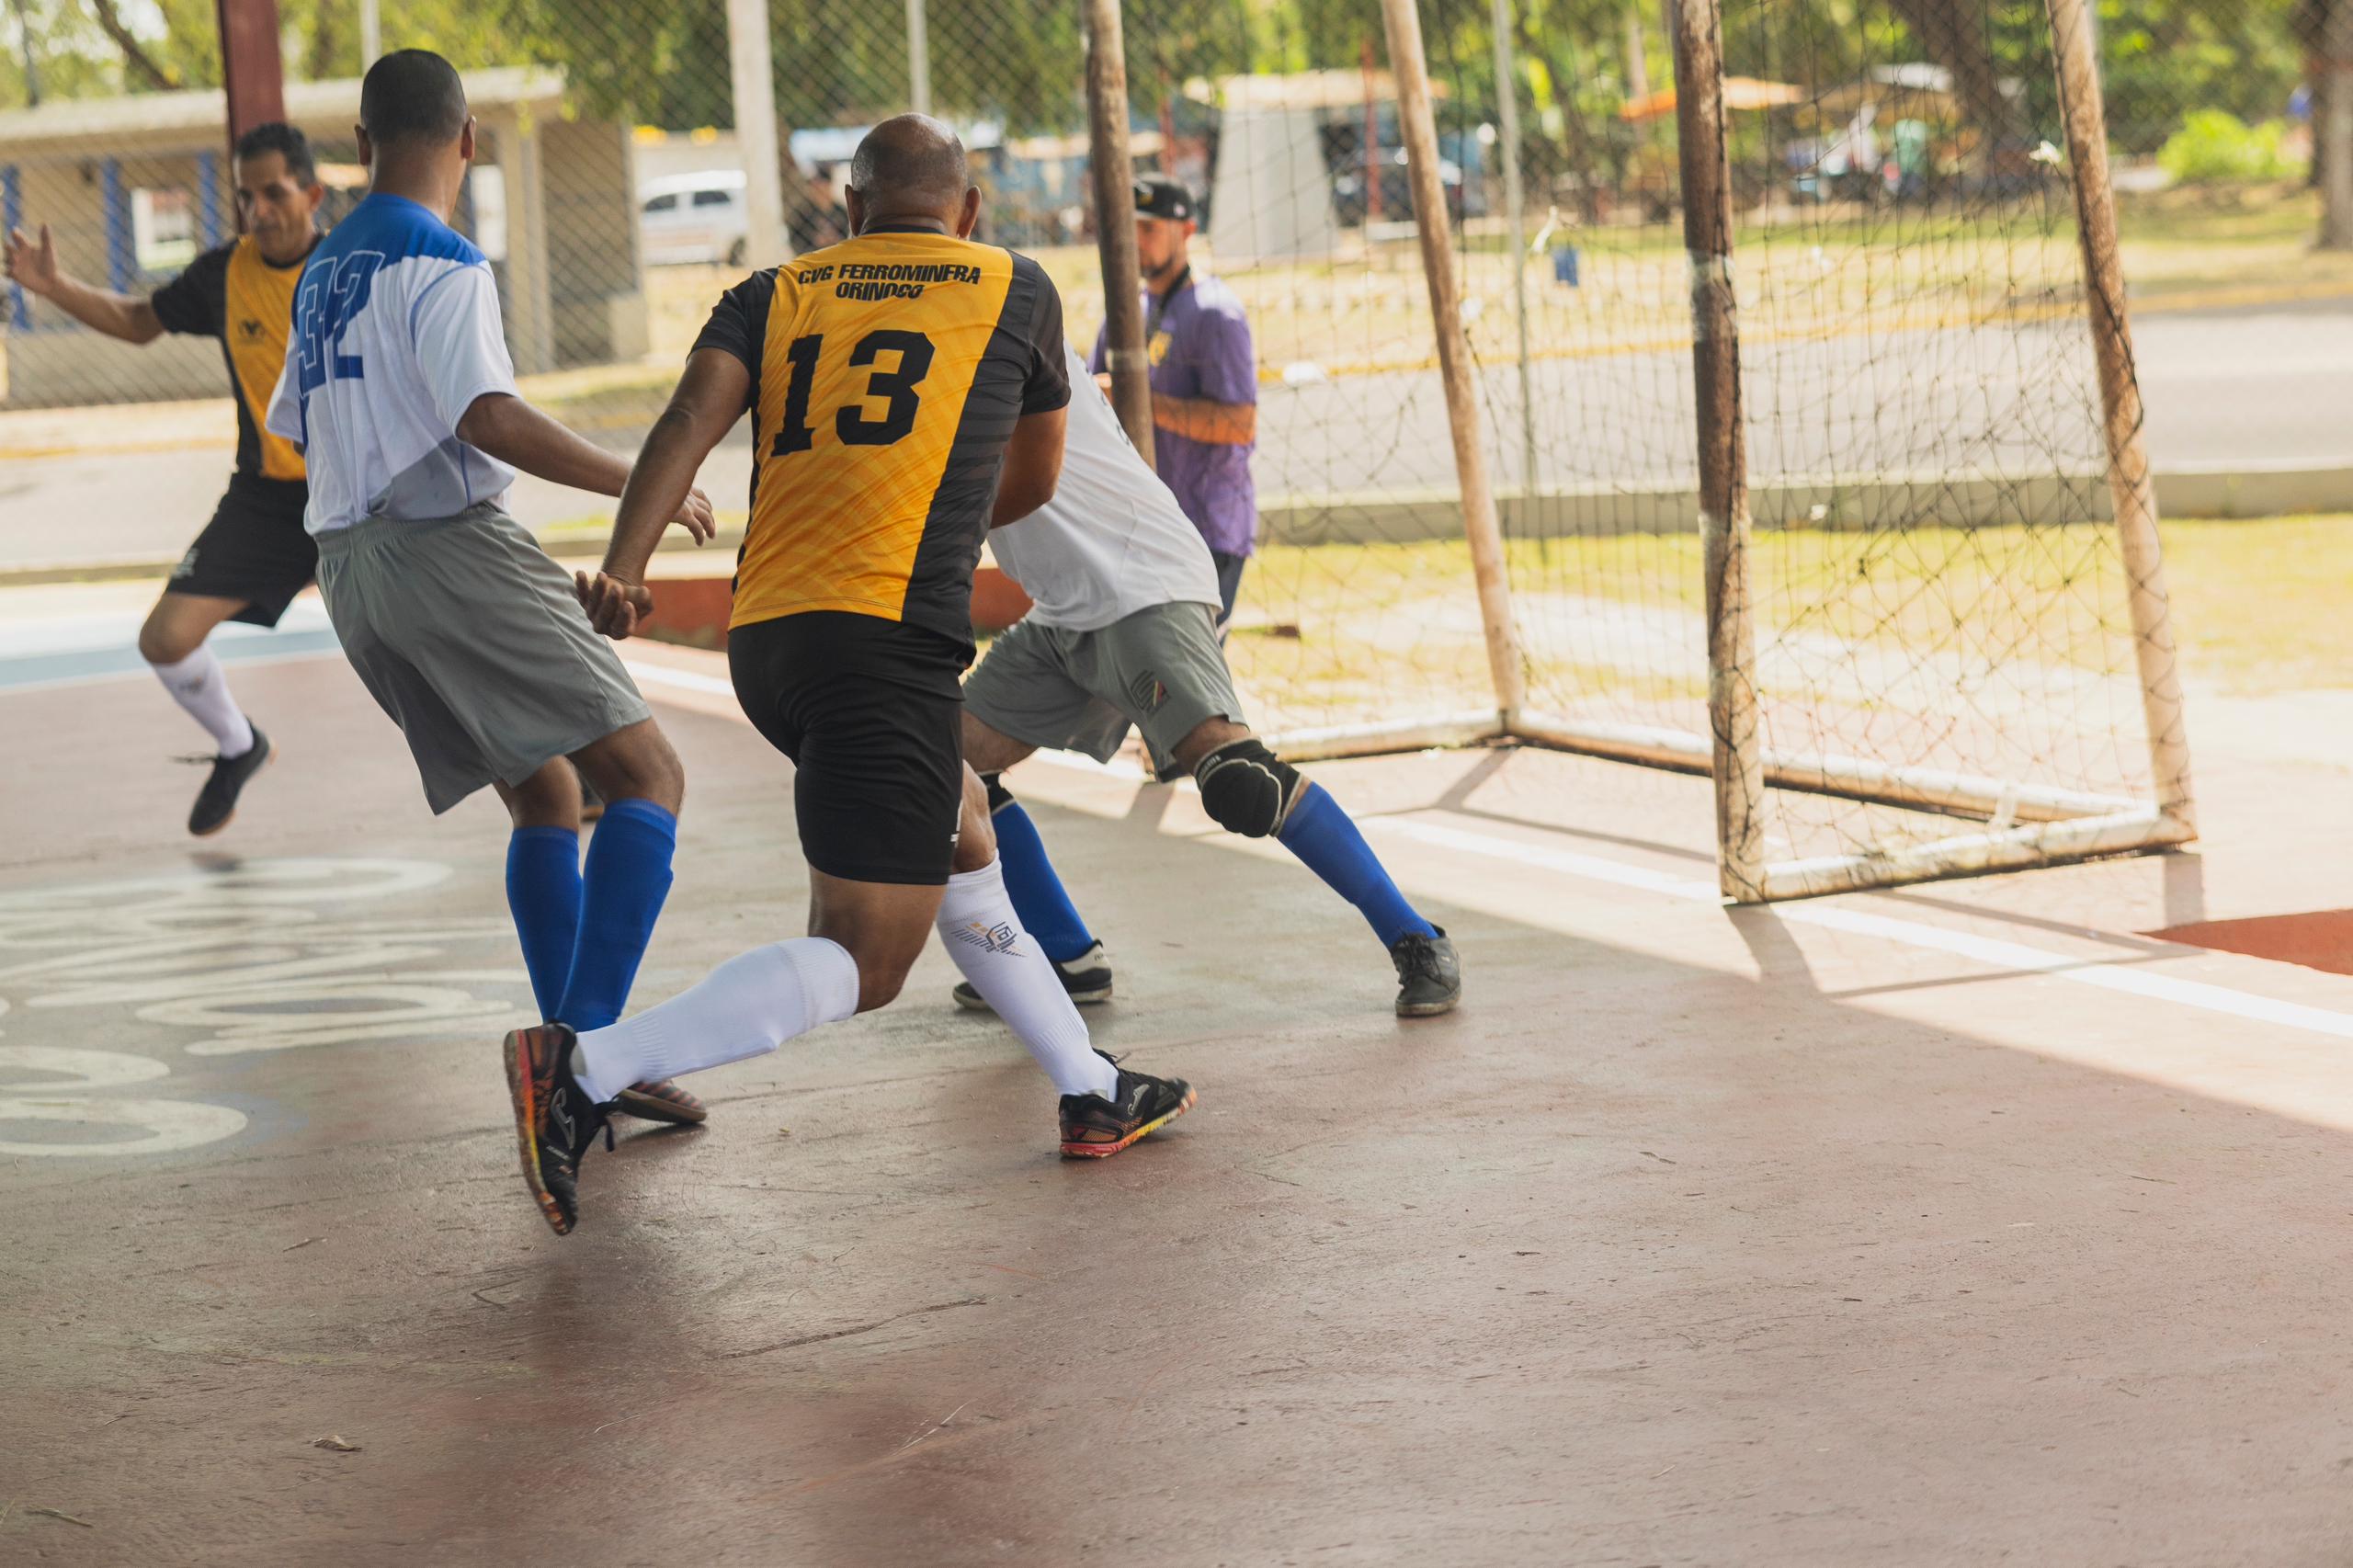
point(77, 643)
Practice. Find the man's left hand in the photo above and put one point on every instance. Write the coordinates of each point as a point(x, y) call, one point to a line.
point(615, 605)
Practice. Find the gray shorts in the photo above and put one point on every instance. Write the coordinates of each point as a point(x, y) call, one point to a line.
point(1159, 669)
point(470, 638)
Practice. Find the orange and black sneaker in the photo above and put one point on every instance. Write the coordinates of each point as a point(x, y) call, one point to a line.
point(1097, 1129)
point(664, 1101)
point(555, 1120)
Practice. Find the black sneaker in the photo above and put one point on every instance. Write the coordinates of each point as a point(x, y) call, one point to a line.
point(1097, 1129)
point(217, 802)
point(555, 1122)
point(662, 1101)
point(1429, 977)
point(1087, 978)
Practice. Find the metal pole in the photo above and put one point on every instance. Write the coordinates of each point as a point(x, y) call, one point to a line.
point(1738, 752)
point(2119, 394)
point(918, 57)
point(371, 33)
point(1411, 69)
point(752, 72)
point(1112, 165)
point(252, 78)
point(1515, 207)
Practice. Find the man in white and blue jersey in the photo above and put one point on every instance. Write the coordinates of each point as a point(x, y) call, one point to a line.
point(399, 390)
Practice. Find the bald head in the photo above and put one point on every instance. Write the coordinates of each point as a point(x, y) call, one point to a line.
point(911, 169)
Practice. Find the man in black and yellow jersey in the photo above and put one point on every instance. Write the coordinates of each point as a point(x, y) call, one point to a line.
point(907, 389)
point(254, 557)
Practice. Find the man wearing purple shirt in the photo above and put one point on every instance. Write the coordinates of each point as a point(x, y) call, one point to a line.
point(1204, 383)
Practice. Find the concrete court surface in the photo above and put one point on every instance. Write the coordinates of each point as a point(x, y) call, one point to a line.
point(1939, 1227)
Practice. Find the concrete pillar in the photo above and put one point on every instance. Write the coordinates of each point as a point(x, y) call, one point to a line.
point(12, 214)
point(122, 263)
point(208, 198)
point(531, 327)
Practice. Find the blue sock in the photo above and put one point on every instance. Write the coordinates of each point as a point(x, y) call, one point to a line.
point(620, 896)
point(1038, 897)
point(1328, 844)
point(543, 894)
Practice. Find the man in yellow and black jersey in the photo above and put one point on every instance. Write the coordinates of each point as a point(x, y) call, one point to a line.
point(907, 389)
point(254, 556)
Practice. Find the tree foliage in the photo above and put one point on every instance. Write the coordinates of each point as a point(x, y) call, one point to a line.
point(1022, 62)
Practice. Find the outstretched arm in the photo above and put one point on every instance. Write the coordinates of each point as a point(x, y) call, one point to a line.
point(712, 396)
point(32, 264)
point(521, 437)
point(1205, 419)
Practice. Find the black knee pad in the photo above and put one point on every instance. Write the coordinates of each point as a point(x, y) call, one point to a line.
point(999, 796)
point(1247, 788)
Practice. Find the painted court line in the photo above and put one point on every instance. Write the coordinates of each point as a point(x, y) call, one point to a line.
point(683, 680)
point(2099, 973)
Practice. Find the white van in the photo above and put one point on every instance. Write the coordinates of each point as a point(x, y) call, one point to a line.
point(693, 218)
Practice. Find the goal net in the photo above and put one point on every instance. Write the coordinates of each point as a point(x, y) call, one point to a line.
point(1948, 667)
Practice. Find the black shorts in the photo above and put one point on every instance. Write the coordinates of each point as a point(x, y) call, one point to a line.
point(255, 549)
point(872, 714)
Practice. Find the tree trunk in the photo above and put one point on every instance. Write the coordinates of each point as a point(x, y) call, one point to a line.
point(145, 71)
point(2332, 127)
point(1577, 137)
point(1952, 34)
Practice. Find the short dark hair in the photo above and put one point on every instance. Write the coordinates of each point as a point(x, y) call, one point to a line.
point(277, 136)
point(411, 96)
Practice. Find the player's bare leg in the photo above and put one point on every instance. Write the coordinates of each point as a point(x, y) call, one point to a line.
point(173, 642)
point(863, 939)
point(1250, 791)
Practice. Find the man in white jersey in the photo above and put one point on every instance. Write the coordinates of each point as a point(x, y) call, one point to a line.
point(398, 388)
point(1123, 632)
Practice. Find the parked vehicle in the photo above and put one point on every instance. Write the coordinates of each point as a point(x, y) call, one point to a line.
point(1352, 205)
point(693, 217)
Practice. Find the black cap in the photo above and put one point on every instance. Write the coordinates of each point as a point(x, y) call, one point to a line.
point(1164, 196)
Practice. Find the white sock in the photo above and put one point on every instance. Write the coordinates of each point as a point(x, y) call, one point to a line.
point(748, 1005)
point(1013, 975)
point(199, 684)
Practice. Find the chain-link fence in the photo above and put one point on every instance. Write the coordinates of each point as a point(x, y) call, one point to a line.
point(611, 195)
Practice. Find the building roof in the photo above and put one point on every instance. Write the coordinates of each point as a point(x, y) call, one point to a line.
point(203, 113)
point(1332, 89)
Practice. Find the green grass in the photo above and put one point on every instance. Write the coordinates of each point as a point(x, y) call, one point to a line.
point(2259, 606)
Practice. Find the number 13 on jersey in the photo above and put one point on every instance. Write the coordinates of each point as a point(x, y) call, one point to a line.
point(885, 367)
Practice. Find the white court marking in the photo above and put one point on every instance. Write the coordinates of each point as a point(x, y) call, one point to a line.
point(257, 957)
point(2101, 974)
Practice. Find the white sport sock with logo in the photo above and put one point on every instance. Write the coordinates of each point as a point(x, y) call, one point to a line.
point(199, 684)
point(1013, 975)
point(747, 1006)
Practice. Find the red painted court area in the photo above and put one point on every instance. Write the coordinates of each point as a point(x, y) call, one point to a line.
point(1948, 1226)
